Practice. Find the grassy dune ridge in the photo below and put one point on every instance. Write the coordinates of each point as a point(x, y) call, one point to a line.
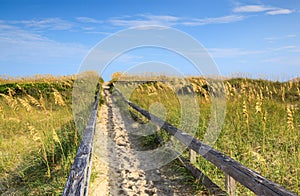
point(261, 128)
point(38, 136)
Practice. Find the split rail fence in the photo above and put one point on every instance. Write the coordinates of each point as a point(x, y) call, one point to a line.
point(80, 173)
point(233, 170)
point(79, 176)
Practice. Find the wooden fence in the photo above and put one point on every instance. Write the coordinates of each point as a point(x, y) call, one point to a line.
point(79, 176)
point(233, 170)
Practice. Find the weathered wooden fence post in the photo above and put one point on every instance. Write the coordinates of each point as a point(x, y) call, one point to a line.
point(193, 157)
point(230, 185)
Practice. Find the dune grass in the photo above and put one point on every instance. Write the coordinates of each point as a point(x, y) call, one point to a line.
point(261, 128)
point(38, 136)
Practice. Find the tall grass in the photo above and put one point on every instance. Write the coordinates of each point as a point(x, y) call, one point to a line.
point(261, 128)
point(38, 138)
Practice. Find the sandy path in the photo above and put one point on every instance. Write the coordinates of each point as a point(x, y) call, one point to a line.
point(117, 169)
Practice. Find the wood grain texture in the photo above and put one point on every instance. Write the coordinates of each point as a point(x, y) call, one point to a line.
point(230, 185)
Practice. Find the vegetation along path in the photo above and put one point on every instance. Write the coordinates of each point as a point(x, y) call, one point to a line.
point(117, 169)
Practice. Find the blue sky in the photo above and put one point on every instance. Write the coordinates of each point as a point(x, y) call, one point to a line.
point(253, 37)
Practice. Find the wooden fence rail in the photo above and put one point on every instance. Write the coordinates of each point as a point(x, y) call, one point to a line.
point(245, 176)
point(79, 176)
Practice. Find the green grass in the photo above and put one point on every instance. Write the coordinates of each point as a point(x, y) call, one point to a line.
point(261, 128)
point(38, 135)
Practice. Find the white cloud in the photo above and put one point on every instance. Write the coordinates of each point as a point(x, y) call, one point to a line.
point(24, 47)
point(131, 23)
point(124, 21)
point(283, 48)
point(274, 39)
point(166, 20)
point(292, 62)
point(13, 34)
point(272, 60)
point(252, 8)
point(231, 52)
point(237, 52)
point(88, 28)
point(99, 32)
point(217, 20)
point(262, 8)
point(88, 20)
point(143, 20)
point(280, 11)
point(49, 24)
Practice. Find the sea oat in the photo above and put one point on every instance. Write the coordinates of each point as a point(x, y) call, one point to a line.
point(290, 117)
point(13, 103)
point(25, 104)
point(258, 104)
point(58, 98)
point(34, 102)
